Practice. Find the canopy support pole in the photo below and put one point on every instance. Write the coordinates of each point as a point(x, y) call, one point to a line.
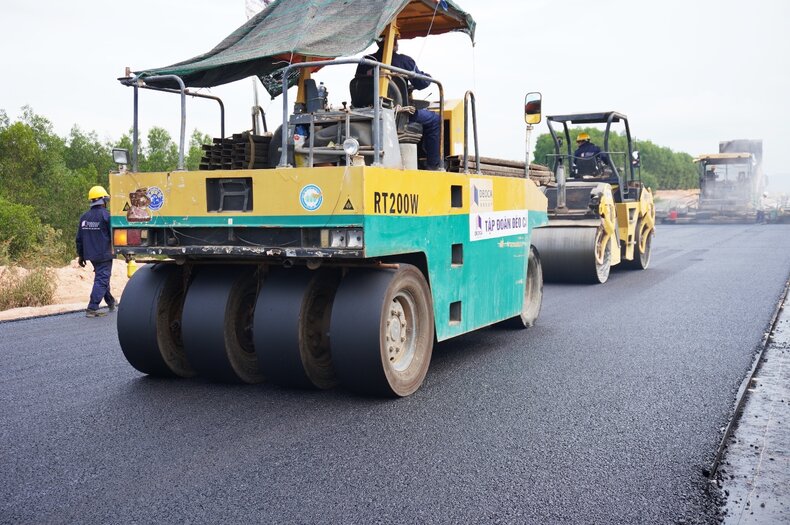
point(182, 137)
point(135, 127)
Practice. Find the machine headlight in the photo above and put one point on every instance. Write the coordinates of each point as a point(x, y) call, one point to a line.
point(120, 156)
point(351, 146)
point(342, 238)
point(338, 239)
point(354, 239)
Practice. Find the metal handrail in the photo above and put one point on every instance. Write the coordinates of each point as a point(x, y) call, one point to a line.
point(257, 110)
point(197, 95)
point(467, 96)
point(610, 154)
point(138, 83)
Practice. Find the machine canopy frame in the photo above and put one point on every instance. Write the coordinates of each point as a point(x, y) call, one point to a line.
point(631, 174)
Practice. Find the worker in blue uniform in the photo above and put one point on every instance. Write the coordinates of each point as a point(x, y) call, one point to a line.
point(586, 149)
point(93, 244)
point(430, 120)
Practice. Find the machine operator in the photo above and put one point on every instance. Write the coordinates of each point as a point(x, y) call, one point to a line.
point(586, 149)
point(430, 121)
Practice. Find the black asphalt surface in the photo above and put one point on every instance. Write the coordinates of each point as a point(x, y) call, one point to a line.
point(607, 411)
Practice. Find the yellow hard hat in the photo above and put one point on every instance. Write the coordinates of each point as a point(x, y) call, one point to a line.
point(97, 192)
point(582, 136)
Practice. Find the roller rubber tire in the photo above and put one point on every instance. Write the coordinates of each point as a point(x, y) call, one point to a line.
point(382, 331)
point(533, 293)
point(149, 322)
point(291, 327)
point(217, 324)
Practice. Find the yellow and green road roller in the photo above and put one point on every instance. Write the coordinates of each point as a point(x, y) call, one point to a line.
point(320, 254)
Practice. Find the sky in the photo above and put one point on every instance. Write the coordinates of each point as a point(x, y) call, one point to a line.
point(687, 73)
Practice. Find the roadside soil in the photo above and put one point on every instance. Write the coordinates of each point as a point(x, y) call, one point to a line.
point(72, 290)
point(675, 198)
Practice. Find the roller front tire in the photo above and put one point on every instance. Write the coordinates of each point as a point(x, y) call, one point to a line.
point(382, 330)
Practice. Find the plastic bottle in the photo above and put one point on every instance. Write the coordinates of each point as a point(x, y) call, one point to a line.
point(322, 95)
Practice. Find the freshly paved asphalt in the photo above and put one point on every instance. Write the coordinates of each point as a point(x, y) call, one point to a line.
point(607, 411)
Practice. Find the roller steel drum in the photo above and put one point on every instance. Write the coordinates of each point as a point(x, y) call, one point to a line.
point(568, 254)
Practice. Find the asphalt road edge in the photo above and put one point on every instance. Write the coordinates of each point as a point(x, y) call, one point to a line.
point(48, 314)
point(743, 390)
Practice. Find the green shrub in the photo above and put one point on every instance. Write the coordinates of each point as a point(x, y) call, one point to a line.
point(26, 241)
point(50, 249)
point(37, 288)
point(650, 180)
point(20, 227)
point(5, 257)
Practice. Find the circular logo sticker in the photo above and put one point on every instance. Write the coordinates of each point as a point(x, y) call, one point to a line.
point(311, 197)
point(156, 198)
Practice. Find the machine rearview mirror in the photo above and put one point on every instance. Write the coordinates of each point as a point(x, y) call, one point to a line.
point(532, 110)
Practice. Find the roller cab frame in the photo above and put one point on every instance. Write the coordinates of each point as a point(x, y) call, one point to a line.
point(600, 213)
point(338, 262)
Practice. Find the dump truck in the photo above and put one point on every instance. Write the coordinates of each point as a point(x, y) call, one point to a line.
point(600, 213)
point(731, 182)
point(318, 254)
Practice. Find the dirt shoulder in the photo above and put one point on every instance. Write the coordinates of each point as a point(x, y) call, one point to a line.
point(675, 197)
point(72, 290)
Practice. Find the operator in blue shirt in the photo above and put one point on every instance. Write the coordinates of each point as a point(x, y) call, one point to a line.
point(93, 244)
point(586, 149)
point(430, 120)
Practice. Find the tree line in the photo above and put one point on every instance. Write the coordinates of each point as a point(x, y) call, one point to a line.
point(44, 181)
point(661, 168)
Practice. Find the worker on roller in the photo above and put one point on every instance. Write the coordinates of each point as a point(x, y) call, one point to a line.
point(429, 120)
point(586, 149)
point(93, 244)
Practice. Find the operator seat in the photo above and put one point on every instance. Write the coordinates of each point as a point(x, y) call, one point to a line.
point(587, 166)
point(361, 89)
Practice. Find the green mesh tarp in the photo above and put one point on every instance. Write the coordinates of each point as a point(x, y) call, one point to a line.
point(292, 30)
